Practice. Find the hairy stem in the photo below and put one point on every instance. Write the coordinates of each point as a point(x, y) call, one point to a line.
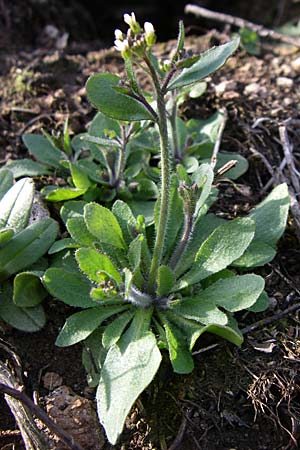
point(173, 123)
point(182, 244)
point(121, 157)
point(165, 182)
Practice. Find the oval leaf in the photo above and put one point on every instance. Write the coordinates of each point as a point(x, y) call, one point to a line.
point(209, 62)
point(71, 288)
point(24, 319)
point(101, 92)
point(103, 225)
point(28, 289)
point(80, 325)
point(94, 264)
point(15, 205)
point(126, 372)
point(27, 247)
point(226, 244)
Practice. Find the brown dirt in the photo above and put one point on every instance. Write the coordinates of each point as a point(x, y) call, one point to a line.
point(245, 399)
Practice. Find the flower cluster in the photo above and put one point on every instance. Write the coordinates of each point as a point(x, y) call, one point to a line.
point(137, 40)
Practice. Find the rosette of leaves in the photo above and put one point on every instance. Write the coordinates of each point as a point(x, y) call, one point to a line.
point(200, 284)
point(98, 165)
point(23, 242)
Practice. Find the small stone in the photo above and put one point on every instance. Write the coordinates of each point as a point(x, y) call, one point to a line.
point(224, 86)
point(252, 88)
point(284, 82)
point(287, 101)
point(296, 64)
point(255, 89)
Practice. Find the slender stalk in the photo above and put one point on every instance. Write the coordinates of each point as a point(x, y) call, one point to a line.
point(121, 157)
point(173, 123)
point(165, 181)
point(182, 244)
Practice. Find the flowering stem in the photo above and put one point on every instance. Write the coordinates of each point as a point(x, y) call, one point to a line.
point(165, 182)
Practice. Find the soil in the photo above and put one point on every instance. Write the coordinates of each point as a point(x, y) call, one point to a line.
point(236, 398)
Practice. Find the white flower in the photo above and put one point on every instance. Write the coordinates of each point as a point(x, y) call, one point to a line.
point(119, 35)
point(121, 45)
point(133, 24)
point(148, 27)
point(149, 34)
point(130, 19)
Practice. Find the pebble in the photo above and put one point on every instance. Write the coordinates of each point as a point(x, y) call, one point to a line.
point(252, 88)
point(284, 82)
point(255, 89)
point(225, 86)
point(296, 64)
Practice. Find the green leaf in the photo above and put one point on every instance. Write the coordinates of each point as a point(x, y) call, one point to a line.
point(24, 319)
point(79, 177)
point(257, 254)
point(28, 289)
point(189, 328)
point(72, 209)
point(80, 325)
point(55, 194)
point(145, 209)
point(62, 244)
point(102, 223)
point(101, 123)
point(131, 366)
point(6, 234)
point(126, 220)
point(230, 332)
point(101, 92)
point(165, 281)
point(92, 355)
point(234, 293)
point(113, 332)
point(202, 311)
point(202, 230)
point(135, 252)
point(27, 247)
point(180, 356)
point(6, 181)
point(72, 288)
point(271, 215)
point(27, 168)
point(180, 39)
point(261, 304)
point(226, 244)
point(176, 216)
point(78, 230)
point(95, 265)
point(43, 150)
point(15, 205)
point(203, 177)
point(209, 62)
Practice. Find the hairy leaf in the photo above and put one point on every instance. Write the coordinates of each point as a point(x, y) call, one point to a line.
point(102, 223)
point(80, 325)
point(101, 92)
point(128, 369)
point(209, 62)
point(15, 205)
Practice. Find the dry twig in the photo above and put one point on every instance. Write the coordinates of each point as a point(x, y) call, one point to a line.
point(199, 11)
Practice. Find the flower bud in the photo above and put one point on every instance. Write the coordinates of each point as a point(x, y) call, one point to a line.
point(149, 34)
point(133, 24)
point(123, 47)
point(119, 35)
